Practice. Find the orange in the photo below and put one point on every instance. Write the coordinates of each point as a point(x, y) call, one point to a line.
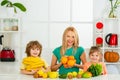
point(65, 65)
point(64, 59)
point(71, 57)
point(71, 62)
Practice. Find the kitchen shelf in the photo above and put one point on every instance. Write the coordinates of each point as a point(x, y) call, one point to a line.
point(10, 28)
point(9, 31)
point(118, 63)
point(111, 48)
point(109, 25)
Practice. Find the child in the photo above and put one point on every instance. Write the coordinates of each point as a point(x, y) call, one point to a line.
point(70, 47)
point(95, 56)
point(32, 63)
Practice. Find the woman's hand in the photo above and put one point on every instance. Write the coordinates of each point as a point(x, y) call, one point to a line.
point(79, 66)
point(83, 58)
point(54, 65)
point(75, 65)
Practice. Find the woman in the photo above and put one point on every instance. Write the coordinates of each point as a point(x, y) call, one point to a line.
point(70, 46)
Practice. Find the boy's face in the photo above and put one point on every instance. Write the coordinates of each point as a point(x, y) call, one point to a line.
point(34, 52)
point(94, 57)
point(70, 38)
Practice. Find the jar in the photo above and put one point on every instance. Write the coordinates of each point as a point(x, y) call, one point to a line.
point(6, 23)
point(99, 27)
point(15, 25)
point(99, 41)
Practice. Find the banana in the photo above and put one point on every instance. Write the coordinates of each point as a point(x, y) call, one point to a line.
point(33, 63)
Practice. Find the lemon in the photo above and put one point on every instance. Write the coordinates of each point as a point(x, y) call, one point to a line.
point(44, 75)
point(74, 74)
point(40, 72)
point(69, 73)
point(87, 74)
point(53, 74)
point(81, 72)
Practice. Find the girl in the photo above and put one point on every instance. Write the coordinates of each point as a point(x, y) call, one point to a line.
point(69, 47)
point(95, 57)
point(32, 63)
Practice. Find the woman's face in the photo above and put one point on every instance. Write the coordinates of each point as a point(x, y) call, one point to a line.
point(94, 57)
point(34, 52)
point(70, 38)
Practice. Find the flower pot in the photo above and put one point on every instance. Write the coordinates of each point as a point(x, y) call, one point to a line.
point(112, 14)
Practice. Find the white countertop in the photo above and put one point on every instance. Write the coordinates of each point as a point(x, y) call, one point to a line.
point(30, 77)
point(10, 71)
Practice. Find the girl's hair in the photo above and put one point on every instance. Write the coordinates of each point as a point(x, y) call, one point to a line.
point(64, 43)
point(95, 49)
point(33, 44)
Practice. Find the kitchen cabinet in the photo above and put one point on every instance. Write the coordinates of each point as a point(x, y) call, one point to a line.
point(10, 39)
point(106, 34)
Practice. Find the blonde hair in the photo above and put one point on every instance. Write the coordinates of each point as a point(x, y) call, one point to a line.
point(95, 49)
point(64, 44)
point(33, 44)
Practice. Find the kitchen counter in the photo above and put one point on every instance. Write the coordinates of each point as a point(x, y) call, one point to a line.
point(10, 71)
point(30, 77)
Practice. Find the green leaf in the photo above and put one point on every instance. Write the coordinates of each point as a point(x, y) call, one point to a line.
point(110, 0)
point(4, 2)
point(95, 69)
point(20, 6)
point(7, 3)
point(15, 10)
point(118, 3)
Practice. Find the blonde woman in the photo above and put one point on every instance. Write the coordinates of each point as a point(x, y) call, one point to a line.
point(70, 46)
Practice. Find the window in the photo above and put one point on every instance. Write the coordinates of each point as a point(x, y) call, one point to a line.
point(56, 15)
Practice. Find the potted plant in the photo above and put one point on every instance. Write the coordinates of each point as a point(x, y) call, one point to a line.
point(15, 5)
point(114, 5)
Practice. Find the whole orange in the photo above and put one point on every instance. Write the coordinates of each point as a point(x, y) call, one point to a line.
point(64, 59)
point(71, 57)
point(65, 65)
point(71, 63)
